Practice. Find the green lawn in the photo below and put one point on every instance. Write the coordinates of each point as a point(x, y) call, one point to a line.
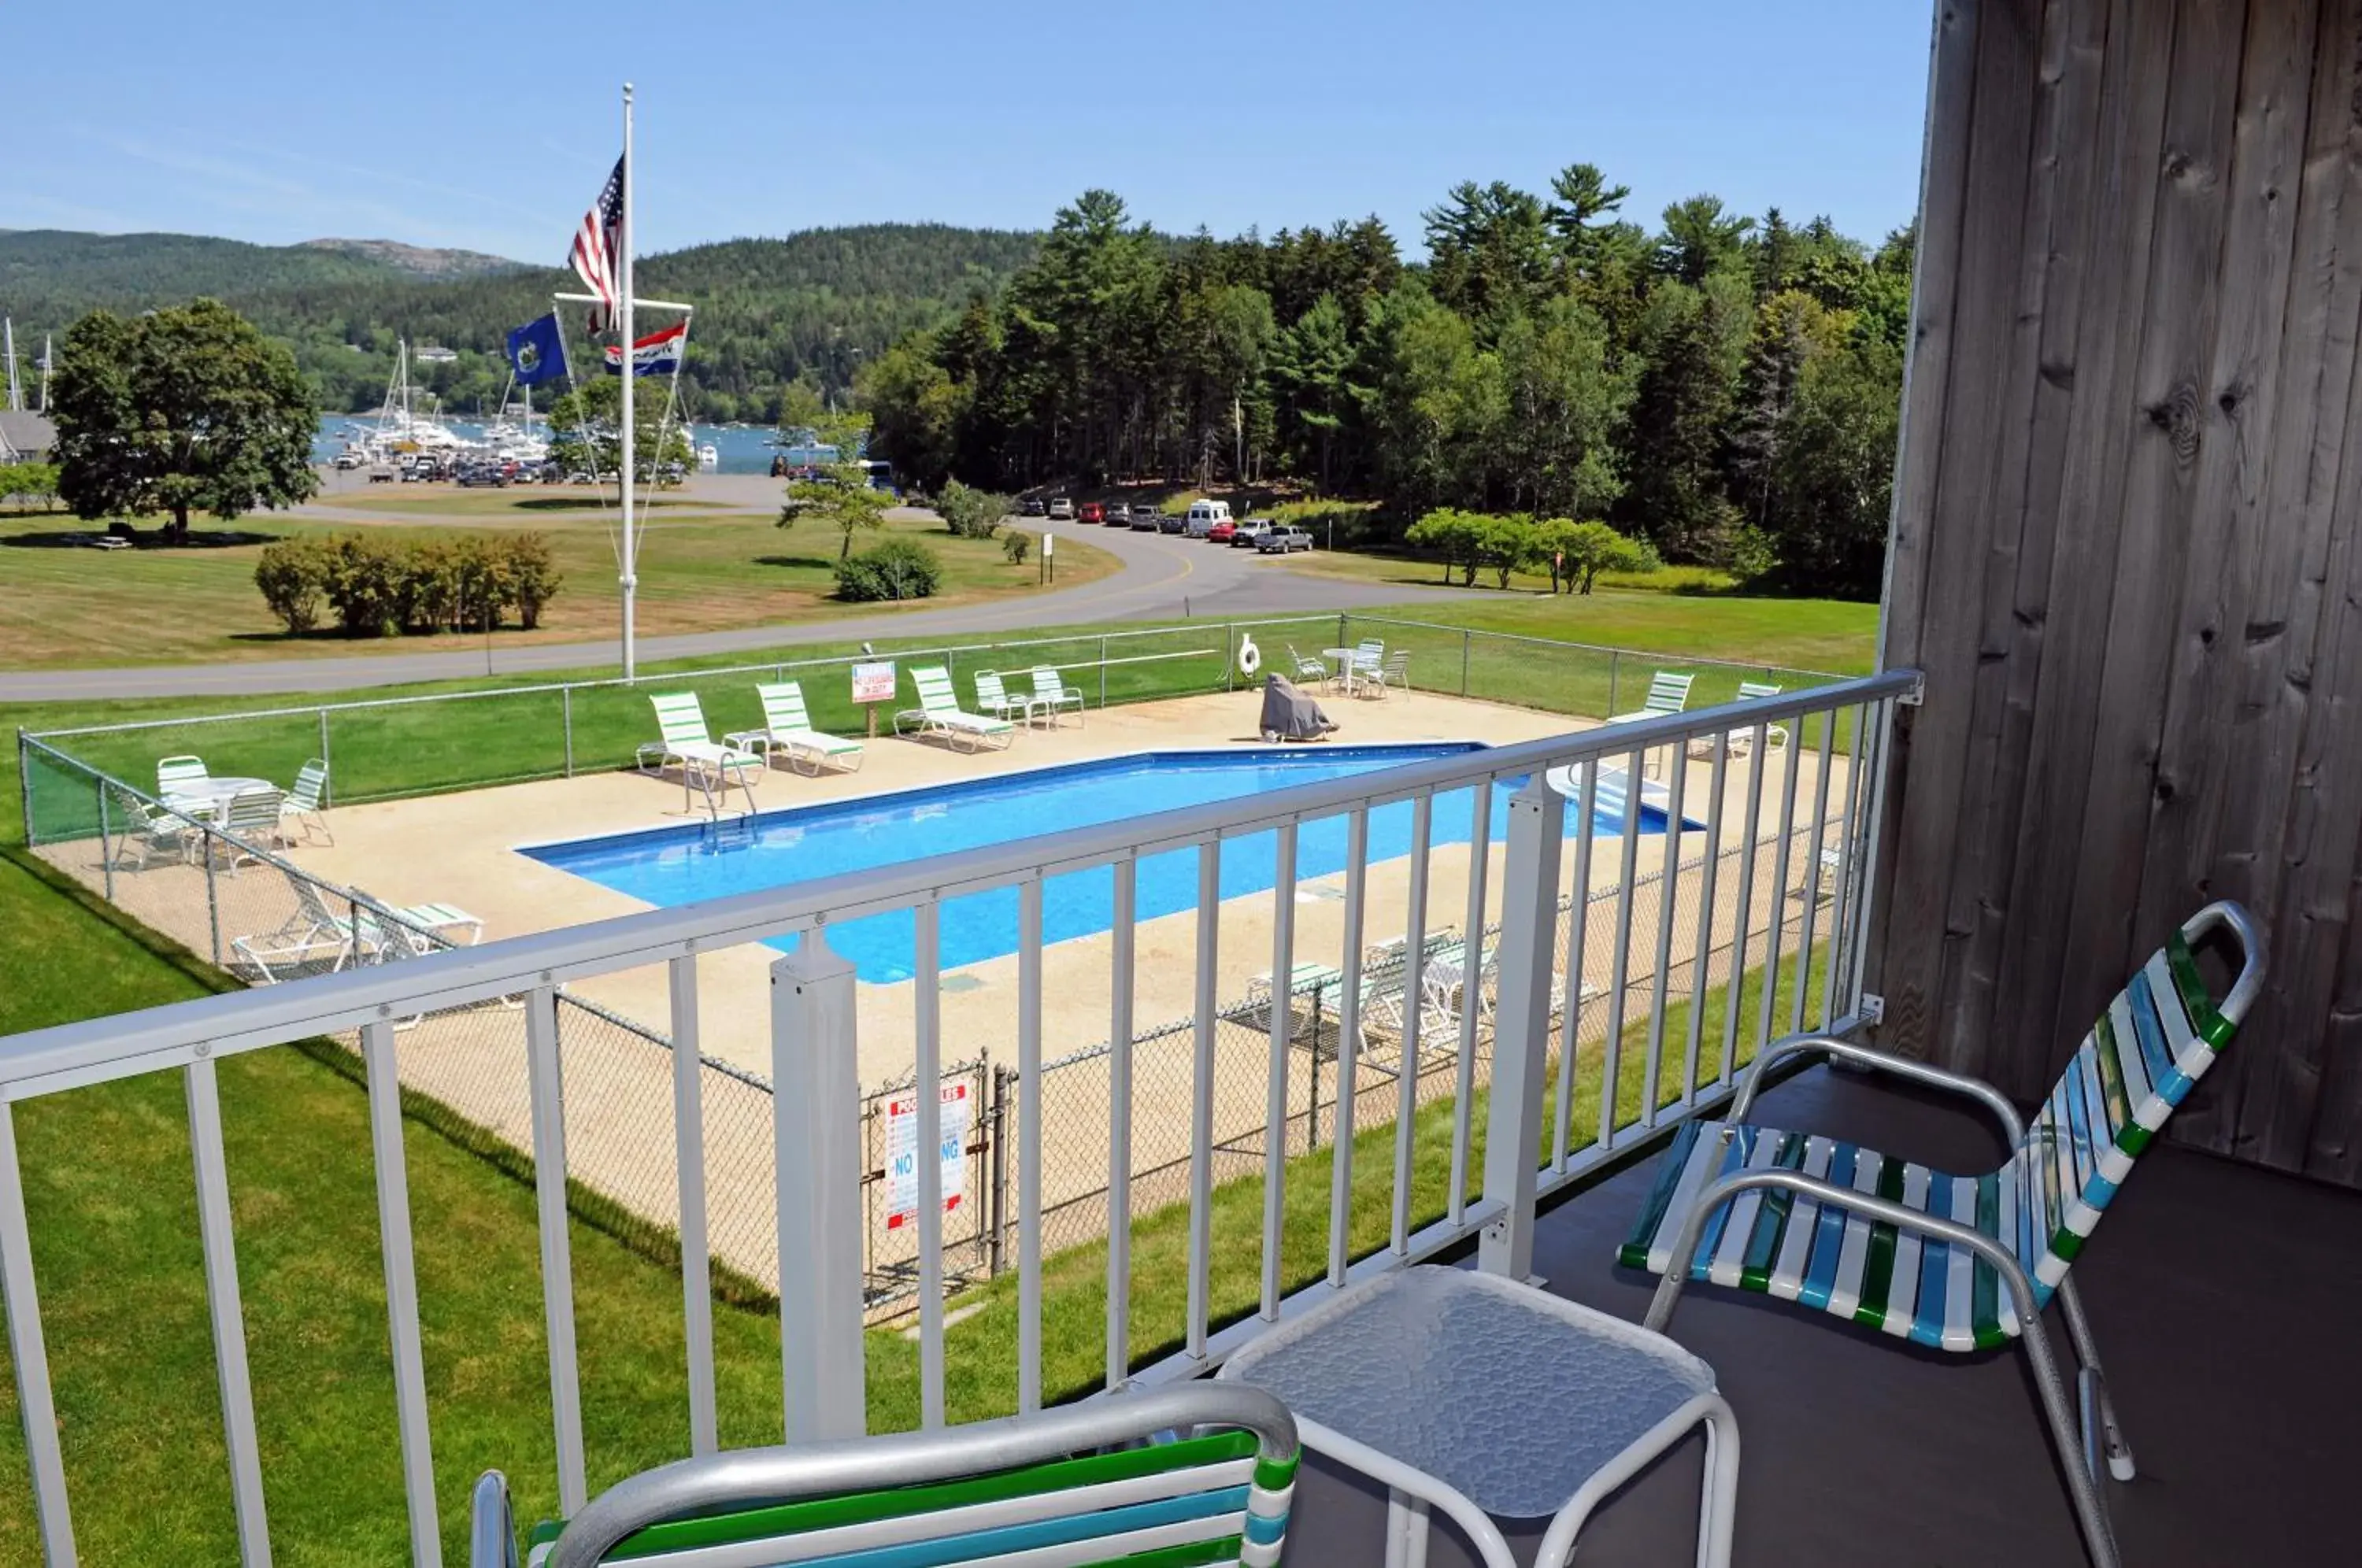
point(67, 605)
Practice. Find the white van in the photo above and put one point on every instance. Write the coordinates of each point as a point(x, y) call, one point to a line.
point(1204, 514)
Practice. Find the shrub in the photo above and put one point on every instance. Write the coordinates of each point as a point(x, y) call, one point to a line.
point(293, 577)
point(968, 513)
point(898, 568)
point(364, 585)
point(533, 576)
point(1016, 546)
point(461, 582)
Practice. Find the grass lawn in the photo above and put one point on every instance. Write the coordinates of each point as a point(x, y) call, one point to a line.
point(68, 606)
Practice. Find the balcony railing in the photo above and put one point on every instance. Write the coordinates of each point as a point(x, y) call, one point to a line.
point(1516, 1031)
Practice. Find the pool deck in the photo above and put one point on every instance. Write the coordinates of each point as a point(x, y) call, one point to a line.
point(463, 849)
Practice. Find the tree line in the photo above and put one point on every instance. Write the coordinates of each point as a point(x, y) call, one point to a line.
point(773, 315)
point(1721, 388)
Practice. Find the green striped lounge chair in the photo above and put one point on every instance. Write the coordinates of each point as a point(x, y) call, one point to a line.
point(787, 727)
point(1956, 1263)
point(688, 744)
point(1201, 1474)
point(939, 713)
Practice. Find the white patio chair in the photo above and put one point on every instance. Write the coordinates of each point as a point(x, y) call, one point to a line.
point(156, 831)
point(248, 824)
point(185, 776)
point(993, 697)
point(305, 805)
point(1053, 696)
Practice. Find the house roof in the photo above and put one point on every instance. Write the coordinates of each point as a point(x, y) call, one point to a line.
point(24, 435)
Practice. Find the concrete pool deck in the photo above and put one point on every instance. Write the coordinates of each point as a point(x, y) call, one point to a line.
point(463, 849)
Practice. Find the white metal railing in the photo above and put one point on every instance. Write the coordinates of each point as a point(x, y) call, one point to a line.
point(814, 1035)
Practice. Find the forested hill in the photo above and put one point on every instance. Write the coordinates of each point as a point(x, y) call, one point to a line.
point(769, 312)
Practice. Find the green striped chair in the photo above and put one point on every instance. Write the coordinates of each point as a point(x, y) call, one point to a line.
point(1197, 1475)
point(1954, 1263)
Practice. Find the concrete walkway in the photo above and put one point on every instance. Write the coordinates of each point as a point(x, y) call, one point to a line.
point(1162, 576)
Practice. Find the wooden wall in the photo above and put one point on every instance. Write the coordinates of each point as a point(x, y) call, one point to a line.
point(2125, 544)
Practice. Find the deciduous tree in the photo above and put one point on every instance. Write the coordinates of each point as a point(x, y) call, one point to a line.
point(181, 410)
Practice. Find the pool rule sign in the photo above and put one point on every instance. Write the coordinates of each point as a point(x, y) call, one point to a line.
point(873, 684)
point(902, 1153)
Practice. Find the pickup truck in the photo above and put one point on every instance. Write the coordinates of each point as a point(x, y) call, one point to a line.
point(1279, 541)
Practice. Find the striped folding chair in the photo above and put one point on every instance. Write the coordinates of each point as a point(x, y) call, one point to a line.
point(1957, 1263)
point(1201, 1472)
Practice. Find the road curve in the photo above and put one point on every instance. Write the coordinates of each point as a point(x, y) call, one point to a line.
point(1162, 576)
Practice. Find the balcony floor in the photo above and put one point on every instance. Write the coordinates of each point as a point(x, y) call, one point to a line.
point(2221, 1298)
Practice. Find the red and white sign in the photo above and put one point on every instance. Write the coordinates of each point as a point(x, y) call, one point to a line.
point(874, 682)
point(902, 1153)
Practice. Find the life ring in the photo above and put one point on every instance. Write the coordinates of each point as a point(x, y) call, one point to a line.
point(1250, 656)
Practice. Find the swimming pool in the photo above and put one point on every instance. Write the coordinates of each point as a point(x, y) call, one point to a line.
point(672, 865)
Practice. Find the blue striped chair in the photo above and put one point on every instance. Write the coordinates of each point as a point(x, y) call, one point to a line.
point(1956, 1263)
point(1200, 1473)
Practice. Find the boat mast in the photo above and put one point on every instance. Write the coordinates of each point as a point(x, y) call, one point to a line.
point(16, 393)
point(631, 374)
point(48, 353)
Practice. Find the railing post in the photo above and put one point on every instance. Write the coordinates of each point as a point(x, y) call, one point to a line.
point(328, 784)
point(816, 1118)
point(566, 703)
point(546, 1084)
point(106, 848)
point(400, 1293)
point(29, 1358)
point(1229, 656)
point(1521, 1027)
point(1467, 639)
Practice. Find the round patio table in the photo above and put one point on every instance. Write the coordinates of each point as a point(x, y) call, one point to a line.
point(213, 799)
point(1344, 658)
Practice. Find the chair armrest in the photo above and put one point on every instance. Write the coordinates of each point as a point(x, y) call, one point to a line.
point(2013, 1126)
point(491, 1530)
point(1668, 1288)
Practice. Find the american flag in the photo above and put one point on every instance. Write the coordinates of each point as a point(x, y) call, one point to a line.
point(598, 239)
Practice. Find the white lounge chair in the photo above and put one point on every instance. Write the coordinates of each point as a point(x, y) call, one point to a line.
point(438, 920)
point(1668, 693)
point(994, 698)
point(1393, 670)
point(306, 804)
point(1741, 741)
point(1054, 696)
point(1310, 672)
point(317, 929)
point(787, 727)
point(939, 713)
point(704, 765)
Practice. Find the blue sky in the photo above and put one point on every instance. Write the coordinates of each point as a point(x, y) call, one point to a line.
point(490, 126)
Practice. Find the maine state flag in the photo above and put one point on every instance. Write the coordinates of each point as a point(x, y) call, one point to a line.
point(537, 351)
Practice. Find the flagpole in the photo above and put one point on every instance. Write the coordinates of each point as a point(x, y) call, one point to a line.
point(624, 307)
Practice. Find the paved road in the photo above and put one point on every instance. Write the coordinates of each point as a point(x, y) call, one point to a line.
point(1162, 576)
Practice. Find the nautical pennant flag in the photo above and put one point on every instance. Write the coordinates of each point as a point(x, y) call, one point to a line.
point(598, 239)
point(658, 354)
point(537, 351)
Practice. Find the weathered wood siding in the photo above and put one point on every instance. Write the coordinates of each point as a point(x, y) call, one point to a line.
point(2125, 544)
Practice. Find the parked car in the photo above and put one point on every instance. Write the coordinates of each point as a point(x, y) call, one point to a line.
point(1061, 509)
point(1251, 531)
point(1090, 512)
point(1219, 532)
point(1172, 522)
point(1031, 507)
point(1279, 541)
point(1144, 519)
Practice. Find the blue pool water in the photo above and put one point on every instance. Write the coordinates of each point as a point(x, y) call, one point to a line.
point(672, 865)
